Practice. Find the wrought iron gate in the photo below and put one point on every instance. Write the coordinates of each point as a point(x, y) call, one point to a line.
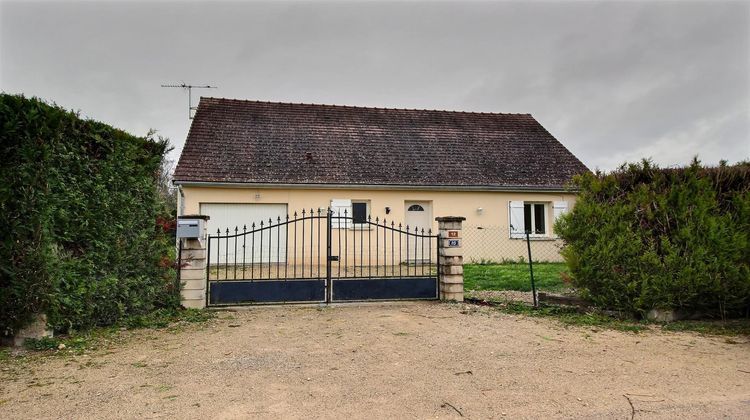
point(321, 256)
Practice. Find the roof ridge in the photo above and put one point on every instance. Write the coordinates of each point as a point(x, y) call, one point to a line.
point(364, 107)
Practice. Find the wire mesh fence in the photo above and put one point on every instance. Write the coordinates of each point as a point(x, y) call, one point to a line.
point(498, 244)
point(498, 259)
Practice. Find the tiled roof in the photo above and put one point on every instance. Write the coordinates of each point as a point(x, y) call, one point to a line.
point(237, 141)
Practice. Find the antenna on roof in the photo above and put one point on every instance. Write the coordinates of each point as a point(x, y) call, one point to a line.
point(190, 88)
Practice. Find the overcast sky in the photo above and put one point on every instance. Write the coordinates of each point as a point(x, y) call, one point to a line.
point(613, 82)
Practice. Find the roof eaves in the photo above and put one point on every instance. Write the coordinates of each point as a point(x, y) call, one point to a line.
point(444, 187)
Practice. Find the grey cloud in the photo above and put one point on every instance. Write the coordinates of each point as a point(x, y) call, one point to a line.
point(613, 81)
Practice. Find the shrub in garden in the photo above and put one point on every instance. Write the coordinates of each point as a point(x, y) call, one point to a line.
point(78, 210)
point(644, 237)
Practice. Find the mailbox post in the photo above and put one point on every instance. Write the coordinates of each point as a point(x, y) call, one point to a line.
point(450, 258)
point(192, 260)
point(190, 228)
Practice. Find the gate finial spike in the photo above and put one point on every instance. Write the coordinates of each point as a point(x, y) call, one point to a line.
point(218, 232)
point(261, 223)
point(376, 220)
point(393, 223)
point(227, 231)
point(244, 227)
point(303, 212)
point(236, 229)
point(253, 226)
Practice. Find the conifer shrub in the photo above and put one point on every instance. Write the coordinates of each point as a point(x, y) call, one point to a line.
point(78, 210)
point(644, 237)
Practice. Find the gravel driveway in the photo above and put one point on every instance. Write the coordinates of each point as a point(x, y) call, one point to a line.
point(402, 360)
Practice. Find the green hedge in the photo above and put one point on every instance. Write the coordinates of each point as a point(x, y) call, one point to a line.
point(642, 238)
point(83, 238)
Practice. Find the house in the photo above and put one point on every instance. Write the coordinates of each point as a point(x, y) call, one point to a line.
point(247, 161)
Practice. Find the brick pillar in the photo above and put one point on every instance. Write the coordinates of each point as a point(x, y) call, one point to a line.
point(193, 269)
point(451, 258)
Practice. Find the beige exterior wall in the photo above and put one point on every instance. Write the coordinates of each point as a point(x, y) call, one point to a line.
point(492, 242)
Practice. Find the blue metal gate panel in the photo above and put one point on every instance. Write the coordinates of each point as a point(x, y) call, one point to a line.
point(384, 288)
point(266, 291)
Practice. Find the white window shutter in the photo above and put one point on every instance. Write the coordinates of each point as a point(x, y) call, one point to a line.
point(341, 207)
point(515, 211)
point(559, 208)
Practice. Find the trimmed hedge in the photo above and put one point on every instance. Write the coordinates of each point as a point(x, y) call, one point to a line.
point(78, 210)
point(644, 238)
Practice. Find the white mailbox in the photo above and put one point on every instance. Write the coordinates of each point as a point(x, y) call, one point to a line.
point(190, 228)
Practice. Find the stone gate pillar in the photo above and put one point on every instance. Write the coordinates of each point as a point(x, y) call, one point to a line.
point(193, 260)
point(451, 258)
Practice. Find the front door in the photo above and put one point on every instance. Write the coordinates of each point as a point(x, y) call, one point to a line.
point(418, 216)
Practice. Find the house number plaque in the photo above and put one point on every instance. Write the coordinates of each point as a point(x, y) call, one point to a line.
point(453, 234)
point(453, 243)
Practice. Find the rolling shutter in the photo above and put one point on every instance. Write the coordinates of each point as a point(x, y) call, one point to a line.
point(342, 213)
point(515, 212)
point(228, 216)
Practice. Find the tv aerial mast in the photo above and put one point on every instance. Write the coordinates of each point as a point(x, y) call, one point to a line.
point(190, 88)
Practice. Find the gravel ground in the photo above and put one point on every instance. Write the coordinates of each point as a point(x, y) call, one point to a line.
point(502, 295)
point(402, 360)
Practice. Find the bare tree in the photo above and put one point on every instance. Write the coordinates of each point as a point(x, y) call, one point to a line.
point(164, 186)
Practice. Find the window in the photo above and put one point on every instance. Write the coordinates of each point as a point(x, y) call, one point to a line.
point(349, 214)
point(415, 207)
point(528, 216)
point(534, 218)
point(359, 211)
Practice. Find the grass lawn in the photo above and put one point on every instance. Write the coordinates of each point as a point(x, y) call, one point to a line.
point(514, 276)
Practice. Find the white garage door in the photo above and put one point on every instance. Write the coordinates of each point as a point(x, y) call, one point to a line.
point(225, 216)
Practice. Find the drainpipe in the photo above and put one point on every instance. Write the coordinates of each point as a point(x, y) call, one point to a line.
point(180, 201)
point(180, 208)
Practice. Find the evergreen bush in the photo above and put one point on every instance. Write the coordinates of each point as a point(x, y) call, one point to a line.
point(644, 237)
point(79, 213)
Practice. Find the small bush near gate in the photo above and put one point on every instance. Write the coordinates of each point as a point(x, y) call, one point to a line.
point(644, 238)
point(80, 212)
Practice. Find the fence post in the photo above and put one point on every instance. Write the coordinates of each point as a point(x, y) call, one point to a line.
point(192, 268)
point(531, 270)
point(450, 258)
point(329, 238)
